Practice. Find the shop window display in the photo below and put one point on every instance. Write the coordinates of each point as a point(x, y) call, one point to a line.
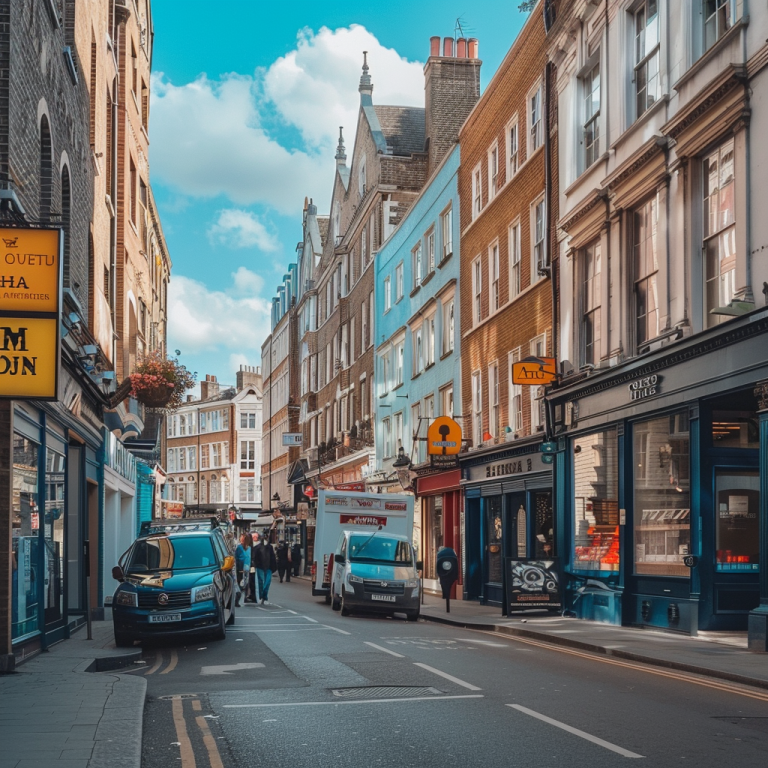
point(596, 502)
point(662, 511)
point(493, 530)
point(545, 539)
point(53, 529)
point(433, 525)
point(25, 531)
point(737, 503)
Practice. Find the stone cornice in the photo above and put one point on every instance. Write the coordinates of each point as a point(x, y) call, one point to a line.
point(637, 160)
point(594, 197)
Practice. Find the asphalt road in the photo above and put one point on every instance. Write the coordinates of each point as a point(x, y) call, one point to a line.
point(295, 684)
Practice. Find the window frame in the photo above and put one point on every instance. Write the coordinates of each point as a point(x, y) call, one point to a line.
point(591, 116)
point(640, 63)
point(477, 408)
point(538, 246)
point(494, 399)
point(387, 294)
point(535, 122)
point(515, 415)
point(446, 229)
point(515, 260)
point(595, 277)
point(513, 147)
point(493, 170)
point(417, 265)
point(399, 282)
point(494, 277)
point(477, 291)
point(477, 191)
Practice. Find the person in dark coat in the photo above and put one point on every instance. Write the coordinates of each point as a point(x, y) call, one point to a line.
point(296, 558)
point(265, 562)
point(253, 595)
point(283, 554)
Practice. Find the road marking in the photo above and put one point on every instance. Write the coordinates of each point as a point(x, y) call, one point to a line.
point(386, 650)
point(214, 757)
point(185, 745)
point(447, 676)
point(483, 642)
point(228, 669)
point(400, 700)
point(156, 665)
point(576, 731)
point(314, 621)
point(648, 669)
point(197, 705)
point(172, 665)
point(336, 629)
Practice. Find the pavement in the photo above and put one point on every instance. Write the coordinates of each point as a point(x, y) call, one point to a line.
point(714, 654)
point(68, 707)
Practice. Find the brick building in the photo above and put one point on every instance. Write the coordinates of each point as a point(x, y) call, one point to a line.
point(506, 194)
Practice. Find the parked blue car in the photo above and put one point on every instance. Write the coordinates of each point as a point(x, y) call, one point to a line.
point(175, 580)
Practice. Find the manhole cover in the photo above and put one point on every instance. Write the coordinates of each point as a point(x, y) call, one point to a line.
point(384, 692)
point(179, 696)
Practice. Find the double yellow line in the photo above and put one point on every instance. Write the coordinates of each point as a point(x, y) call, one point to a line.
point(161, 660)
point(187, 753)
point(684, 677)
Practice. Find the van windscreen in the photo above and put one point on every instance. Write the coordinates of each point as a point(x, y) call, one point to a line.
point(379, 549)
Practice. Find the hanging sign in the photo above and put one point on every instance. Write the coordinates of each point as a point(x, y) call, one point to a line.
point(30, 306)
point(535, 371)
point(443, 437)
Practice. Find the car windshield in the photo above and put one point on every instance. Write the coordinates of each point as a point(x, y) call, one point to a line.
point(164, 553)
point(378, 549)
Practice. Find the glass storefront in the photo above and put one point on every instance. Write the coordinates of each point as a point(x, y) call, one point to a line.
point(596, 501)
point(26, 537)
point(737, 501)
point(434, 533)
point(493, 537)
point(53, 531)
point(544, 543)
point(662, 495)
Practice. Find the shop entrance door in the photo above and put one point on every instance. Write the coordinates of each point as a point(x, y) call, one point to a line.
point(494, 555)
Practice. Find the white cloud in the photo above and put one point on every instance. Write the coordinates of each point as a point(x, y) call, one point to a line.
point(201, 320)
point(237, 359)
point(242, 229)
point(247, 283)
point(218, 137)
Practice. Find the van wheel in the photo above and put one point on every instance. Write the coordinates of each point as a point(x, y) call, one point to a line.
point(412, 615)
point(335, 602)
point(328, 599)
point(343, 606)
point(231, 619)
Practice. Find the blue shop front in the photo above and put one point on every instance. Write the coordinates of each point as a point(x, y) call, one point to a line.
point(508, 514)
point(658, 483)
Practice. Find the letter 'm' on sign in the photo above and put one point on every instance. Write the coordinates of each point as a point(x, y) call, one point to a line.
point(29, 353)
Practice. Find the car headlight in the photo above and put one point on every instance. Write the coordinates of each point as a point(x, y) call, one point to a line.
point(352, 579)
point(127, 598)
point(207, 592)
point(412, 583)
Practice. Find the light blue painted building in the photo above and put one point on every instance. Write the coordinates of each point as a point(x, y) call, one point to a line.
point(417, 368)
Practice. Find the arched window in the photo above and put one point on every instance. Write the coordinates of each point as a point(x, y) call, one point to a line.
point(46, 170)
point(66, 220)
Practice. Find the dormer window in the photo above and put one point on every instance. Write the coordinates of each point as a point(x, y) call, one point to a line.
point(361, 180)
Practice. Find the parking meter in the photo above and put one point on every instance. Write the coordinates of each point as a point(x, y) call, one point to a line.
point(447, 572)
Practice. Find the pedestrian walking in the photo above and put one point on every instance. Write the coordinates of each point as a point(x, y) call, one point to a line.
point(296, 558)
point(265, 562)
point(243, 566)
point(253, 587)
point(283, 553)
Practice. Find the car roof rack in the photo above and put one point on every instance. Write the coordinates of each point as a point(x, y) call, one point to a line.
point(173, 526)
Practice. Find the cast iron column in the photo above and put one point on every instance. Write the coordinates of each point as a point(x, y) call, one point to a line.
point(758, 618)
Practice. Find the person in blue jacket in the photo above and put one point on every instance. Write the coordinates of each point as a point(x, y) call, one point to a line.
point(243, 565)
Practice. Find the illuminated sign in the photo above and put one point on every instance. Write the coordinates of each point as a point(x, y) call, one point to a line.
point(535, 371)
point(30, 305)
point(443, 437)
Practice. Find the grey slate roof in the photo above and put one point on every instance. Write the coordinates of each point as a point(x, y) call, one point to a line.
point(403, 128)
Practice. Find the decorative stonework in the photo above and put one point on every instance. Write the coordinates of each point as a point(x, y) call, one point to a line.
point(761, 393)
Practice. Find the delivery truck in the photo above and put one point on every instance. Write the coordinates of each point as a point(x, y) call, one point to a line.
point(339, 511)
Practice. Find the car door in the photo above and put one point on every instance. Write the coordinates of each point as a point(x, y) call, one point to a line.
point(223, 578)
point(338, 567)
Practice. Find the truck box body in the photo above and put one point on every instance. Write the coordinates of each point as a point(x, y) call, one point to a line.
point(339, 511)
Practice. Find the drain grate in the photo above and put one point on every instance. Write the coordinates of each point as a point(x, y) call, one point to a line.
point(385, 692)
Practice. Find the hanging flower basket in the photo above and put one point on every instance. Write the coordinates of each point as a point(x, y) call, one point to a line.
point(157, 382)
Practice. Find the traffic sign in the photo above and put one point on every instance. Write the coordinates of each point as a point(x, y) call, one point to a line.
point(443, 437)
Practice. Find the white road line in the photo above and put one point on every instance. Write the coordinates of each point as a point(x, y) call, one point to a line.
point(336, 629)
point(482, 642)
point(576, 731)
point(447, 676)
point(256, 630)
point(386, 650)
point(400, 700)
point(314, 621)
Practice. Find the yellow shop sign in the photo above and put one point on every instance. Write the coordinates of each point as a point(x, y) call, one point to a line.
point(29, 355)
point(30, 269)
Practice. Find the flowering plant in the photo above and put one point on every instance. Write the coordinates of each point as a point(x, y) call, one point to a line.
point(160, 382)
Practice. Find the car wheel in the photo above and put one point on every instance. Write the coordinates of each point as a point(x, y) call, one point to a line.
point(328, 598)
point(412, 615)
point(231, 619)
point(343, 606)
point(335, 602)
point(122, 640)
point(220, 633)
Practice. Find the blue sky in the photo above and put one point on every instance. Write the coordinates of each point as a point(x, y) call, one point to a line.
point(247, 98)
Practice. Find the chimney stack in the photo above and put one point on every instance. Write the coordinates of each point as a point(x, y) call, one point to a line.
point(249, 376)
point(452, 88)
point(209, 388)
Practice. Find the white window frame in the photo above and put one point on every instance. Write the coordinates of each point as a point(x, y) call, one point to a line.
point(714, 21)
point(538, 237)
point(477, 291)
point(400, 362)
point(399, 282)
point(397, 432)
point(446, 227)
point(477, 408)
point(418, 350)
point(429, 340)
point(515, 417)
point(430, 239)
point(538, 349)
point(417, 264)
point(387, 294)
point(477, 191)
point(515, 260)
point(386, 437)
point(446, 397)
point(591, 123)
point(494, 411)
point(512, 138)
point(535, 118)
point(449, 324)
point(494, 277)
point(493, 170)
point(642, 59)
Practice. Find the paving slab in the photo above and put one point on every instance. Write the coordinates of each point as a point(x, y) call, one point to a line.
point(84, 716)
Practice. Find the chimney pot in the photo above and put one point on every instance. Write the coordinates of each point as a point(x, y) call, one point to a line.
point(434, 46)
point(461, 48)
point(472, 48)
point(448, 47)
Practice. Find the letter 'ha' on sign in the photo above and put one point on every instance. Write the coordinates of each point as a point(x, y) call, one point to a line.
point(30, 305)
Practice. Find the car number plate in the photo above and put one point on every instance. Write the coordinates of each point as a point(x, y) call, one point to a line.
point(384, 598)
point(162, 618)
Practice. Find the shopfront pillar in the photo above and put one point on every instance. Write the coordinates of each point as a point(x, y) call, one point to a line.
point(7, 658)
point(758, 618)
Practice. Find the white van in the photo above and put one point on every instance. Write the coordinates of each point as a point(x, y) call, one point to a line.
point(375, 572)
point(339, 511)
